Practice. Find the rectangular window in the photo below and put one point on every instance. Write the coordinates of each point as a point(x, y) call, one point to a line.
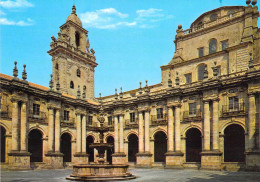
point(201, 52)
point(132, 117)
point(90, 120)
point(160, 113)
point(233, 103)
point(36, 109)
point(192, 108)
point(66, 115)
point(110, 120)
point(224, 45)
point(188, 78)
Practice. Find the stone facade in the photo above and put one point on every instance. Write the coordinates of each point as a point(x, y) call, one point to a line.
point(209, 93)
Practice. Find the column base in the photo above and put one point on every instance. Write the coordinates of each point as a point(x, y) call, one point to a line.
point(253, 160)
point(174, 160)
point(81, 158)
point(54, 160)
point(144, 160)
point(211, 160)
point(119, 158)
point(19, 160)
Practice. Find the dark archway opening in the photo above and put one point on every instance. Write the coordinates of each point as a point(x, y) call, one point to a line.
point(110, 140)
point(2, 144)
point(77, 39)
point(65, 147)
point(90, 151)
point(132, 147)
point(35, 145)
point(160, 146)
point(234, 143)
point(193, 145)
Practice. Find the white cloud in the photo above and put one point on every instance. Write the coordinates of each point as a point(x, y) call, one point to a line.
point(150, 12)
point(15, 4)
point(2, 13)
point(5, 21)
point(105, 19)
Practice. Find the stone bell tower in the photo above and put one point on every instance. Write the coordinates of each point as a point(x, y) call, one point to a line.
point(73, 64)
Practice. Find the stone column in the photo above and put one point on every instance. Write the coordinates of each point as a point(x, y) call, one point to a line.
point(141, 132)
point(177, 129)
point(24, 127)
point(251, 122)
point(57, 131)
point(206, 127)
point(116, 134)
point(170, 130)
point(215, 125)
point(84, 135)
point(15, 126)
point(51, 130)
point(78, 125)
point(121, 134)
point(147, 131)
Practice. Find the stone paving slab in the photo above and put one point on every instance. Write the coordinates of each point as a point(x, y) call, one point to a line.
point(160, 175)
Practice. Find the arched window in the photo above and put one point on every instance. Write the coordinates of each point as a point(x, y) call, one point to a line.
point(56, 66)
point(71, 84)
point(201, 71)
point(213, 17)
point(78, 73)
point(212, 46)
point(77, 39)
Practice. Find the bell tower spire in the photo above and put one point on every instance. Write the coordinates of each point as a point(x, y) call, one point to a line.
point(73, 63)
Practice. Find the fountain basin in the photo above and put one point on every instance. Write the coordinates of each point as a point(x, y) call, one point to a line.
point(100, 172)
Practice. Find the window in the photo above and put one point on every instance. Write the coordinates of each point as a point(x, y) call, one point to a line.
point(231, 13)
point(71, 84)
point(90, 120)
point(110, 120)
point(66, 115)
point(188, 78)
point(212, 46)
point(160, 113)
point(56, 66)
point(192, 108)
point(224, 45)
point(201, 71)
point(213, 17)
point(132, 117)
point(36, 109)
point(219, 71)
point(77, 39)
point(233, 103)
point(78, 73)
point(201, 52)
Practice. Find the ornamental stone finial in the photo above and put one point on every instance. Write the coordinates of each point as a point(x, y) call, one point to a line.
point(51, 83)
point(100, 100)
point(73, 9)
point(248, 2)
point(146, 87)
point(140, 88)
point(121, 93)
point(179, 26)
point(24, 74)
point(254, 2)
point(116, 95)
point(15, 70)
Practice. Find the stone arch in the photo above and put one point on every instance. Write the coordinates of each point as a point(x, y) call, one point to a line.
point(110, 139)
point(193, 144)
point(225, 125)
point(93, 136)
point(35, 144)
point(107, 135)
point(184, 131)
point(160, 146)
point(130, 133)
point(70, 133)
point(133, 146)
point(66, 146)
point(44, 135)
point(90, 151)
point(3, 144)
point(157, 130)
point(7, 129)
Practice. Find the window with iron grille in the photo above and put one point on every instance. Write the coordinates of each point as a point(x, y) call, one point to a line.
point(188, 78)
point(192, 108)
point(159, 113)
point(212, 46)
point(201, 71)
point(132, 117)
point(224, 45)
point(233, 103)
point(66, 115)
point(110, 120)
point(36, 109)
point(201, 52)
point(90, 120)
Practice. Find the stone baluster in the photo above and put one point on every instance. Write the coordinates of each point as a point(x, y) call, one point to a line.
point(147, 131)
point(15, 126)
point(24, 127)
point(57, 131)
point(170, 129)
point(141, 132)
point(177, 128)
point(84, 133)
point(206, 127)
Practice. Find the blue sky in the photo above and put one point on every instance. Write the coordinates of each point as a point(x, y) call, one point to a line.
point(131, 38)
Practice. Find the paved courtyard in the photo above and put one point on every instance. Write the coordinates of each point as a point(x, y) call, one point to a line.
point(161, 175)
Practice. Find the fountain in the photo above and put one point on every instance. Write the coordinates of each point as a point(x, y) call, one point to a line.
point(101, 170)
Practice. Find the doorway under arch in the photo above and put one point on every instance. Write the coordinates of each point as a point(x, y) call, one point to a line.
point(2, 144)
point(90, 151)
point(193, 145)
point(35, 145)
point(65, 147)
point(110, 140)
point(160, 146)
point(132, 147)
point(234, 143)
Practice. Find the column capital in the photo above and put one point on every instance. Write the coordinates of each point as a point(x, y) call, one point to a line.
point(251, 94)
point(206, 101)
point(144, 109)
point(118, 113)
point(215, 99)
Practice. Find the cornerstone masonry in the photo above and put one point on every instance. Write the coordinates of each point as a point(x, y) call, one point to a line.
point(204, 113)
